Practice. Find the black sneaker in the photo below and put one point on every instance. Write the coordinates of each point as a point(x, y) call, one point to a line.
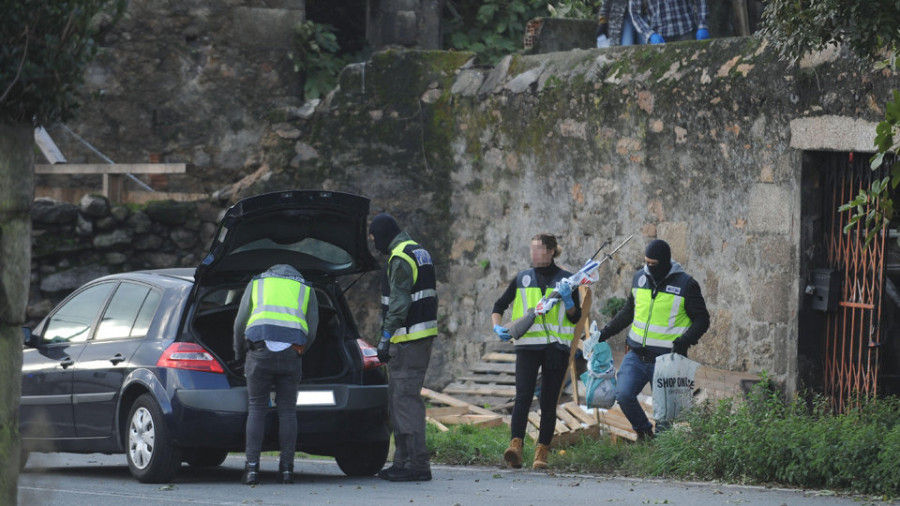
point(251, 474)
point(409, 475)
point(386, 473)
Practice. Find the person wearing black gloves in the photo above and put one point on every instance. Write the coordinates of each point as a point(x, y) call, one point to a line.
point(666, 313)
point(544, 346)
point(409, 312)
point(277, 320)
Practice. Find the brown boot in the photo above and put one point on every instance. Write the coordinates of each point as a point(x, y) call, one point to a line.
point(513, 454)
point(540, 457)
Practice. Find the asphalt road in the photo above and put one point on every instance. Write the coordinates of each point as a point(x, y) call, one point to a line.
point(101, 480)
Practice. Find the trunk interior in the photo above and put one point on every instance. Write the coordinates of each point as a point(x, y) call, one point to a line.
point(326, 358)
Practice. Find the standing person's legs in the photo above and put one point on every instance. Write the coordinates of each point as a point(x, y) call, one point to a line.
point(527, 364)
point(409, 362)
point(553, 373)
point(628, 31)
point(259, 385)
point(633, 375)
point(289, 370)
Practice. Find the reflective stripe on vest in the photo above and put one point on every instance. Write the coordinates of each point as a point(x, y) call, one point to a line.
point(551, 327)
point(279, 301)
point(658, 322)
point(421, 319)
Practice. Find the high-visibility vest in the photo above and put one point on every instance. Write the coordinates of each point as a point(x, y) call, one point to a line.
point(552, 327)
point(281, 302)
point(421, 319)
point(659, 316)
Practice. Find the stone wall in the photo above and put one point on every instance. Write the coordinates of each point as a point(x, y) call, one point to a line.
point(691, 142)
point(75, 243)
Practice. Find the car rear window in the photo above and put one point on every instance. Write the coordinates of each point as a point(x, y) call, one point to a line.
point(129, 313)
point(325, 252)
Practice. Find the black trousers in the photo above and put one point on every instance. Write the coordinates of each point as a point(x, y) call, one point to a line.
point(552, 362)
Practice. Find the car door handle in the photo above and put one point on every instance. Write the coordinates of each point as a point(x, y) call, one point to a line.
point(115, 359)
point(66, 362)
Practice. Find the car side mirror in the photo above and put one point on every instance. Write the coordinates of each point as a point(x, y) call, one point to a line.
point(28, 338)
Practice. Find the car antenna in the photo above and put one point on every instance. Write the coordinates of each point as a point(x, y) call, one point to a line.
point(353, 283)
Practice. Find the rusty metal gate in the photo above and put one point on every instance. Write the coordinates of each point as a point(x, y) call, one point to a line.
point(854, 330)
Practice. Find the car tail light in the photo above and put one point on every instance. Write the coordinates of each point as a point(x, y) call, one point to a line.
point(369, 355)
point(190, 356)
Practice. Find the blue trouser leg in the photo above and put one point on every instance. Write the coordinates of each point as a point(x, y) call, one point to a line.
point(633, 375)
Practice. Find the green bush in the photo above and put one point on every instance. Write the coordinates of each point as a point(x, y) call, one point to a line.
point(764, 439)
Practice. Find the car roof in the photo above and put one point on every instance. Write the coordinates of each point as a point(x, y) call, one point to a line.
point(159, 277)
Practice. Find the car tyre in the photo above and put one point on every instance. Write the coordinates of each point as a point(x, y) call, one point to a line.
point(152, 458)
point(363, 459)
point(205, 457)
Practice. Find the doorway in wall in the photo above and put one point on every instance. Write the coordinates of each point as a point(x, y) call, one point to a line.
point(848, 343)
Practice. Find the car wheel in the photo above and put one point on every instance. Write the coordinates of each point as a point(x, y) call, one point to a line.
point(206, 457)
point(152, 458)
point(363, 459)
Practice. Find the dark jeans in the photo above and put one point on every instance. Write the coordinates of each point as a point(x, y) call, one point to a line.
point(407, 367)
point(633, 375)
point(266, 370)
point(553, 363)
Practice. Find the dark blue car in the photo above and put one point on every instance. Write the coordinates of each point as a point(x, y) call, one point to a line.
point(141, 363)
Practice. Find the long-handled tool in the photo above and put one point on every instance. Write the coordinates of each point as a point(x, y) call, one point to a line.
point(587, 275)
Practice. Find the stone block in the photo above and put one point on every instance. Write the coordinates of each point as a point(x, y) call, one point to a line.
point(771, 209)
point(770, 297)
point(676, 234)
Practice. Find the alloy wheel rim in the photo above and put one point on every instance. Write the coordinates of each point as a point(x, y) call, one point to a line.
point(141, 438)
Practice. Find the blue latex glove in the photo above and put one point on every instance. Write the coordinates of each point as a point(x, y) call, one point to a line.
point(384, 347)
point(657, 39)
point(565, 293)
point(502, 332)
point(702, 34)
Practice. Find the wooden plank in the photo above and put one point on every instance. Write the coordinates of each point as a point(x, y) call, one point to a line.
point(572, 422)
point(498, 391)
point(496, 356)
point(441, 427)
point(534, 419)
point(579, 331)
point(493, 367)
point(575, 410)
point(501, 379)
point(47, 146)
point(480, 420)
point(111, 168)
point(575, 436)
point(446, 411)
point(451, 401)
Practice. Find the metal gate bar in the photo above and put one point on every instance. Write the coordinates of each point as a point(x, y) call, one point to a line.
point(853, 332)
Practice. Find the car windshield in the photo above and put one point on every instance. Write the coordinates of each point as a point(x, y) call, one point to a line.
point(334, 256)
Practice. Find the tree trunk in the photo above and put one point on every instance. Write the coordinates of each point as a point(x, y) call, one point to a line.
point(16, 196)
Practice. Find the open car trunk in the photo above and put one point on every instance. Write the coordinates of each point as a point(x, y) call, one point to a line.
point(326, 359)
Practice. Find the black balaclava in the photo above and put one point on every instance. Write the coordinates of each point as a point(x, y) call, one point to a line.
point(384, 228)
point(659, 250)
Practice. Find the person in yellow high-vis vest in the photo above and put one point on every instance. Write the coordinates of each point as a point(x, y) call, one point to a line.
point(276, 321)
point(409, 312)
point(545, 346)
point(664, 313)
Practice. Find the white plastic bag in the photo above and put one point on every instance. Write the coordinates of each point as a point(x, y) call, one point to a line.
point(600, 378)
point(673, 386)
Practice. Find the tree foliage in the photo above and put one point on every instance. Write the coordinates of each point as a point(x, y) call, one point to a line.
point(44, 46)
point(871, 30)
point(867, 27)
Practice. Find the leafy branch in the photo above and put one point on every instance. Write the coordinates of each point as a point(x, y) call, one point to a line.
point(873, 208)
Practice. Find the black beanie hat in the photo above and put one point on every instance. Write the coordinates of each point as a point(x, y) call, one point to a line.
point(659, 250)
point(384, 228)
